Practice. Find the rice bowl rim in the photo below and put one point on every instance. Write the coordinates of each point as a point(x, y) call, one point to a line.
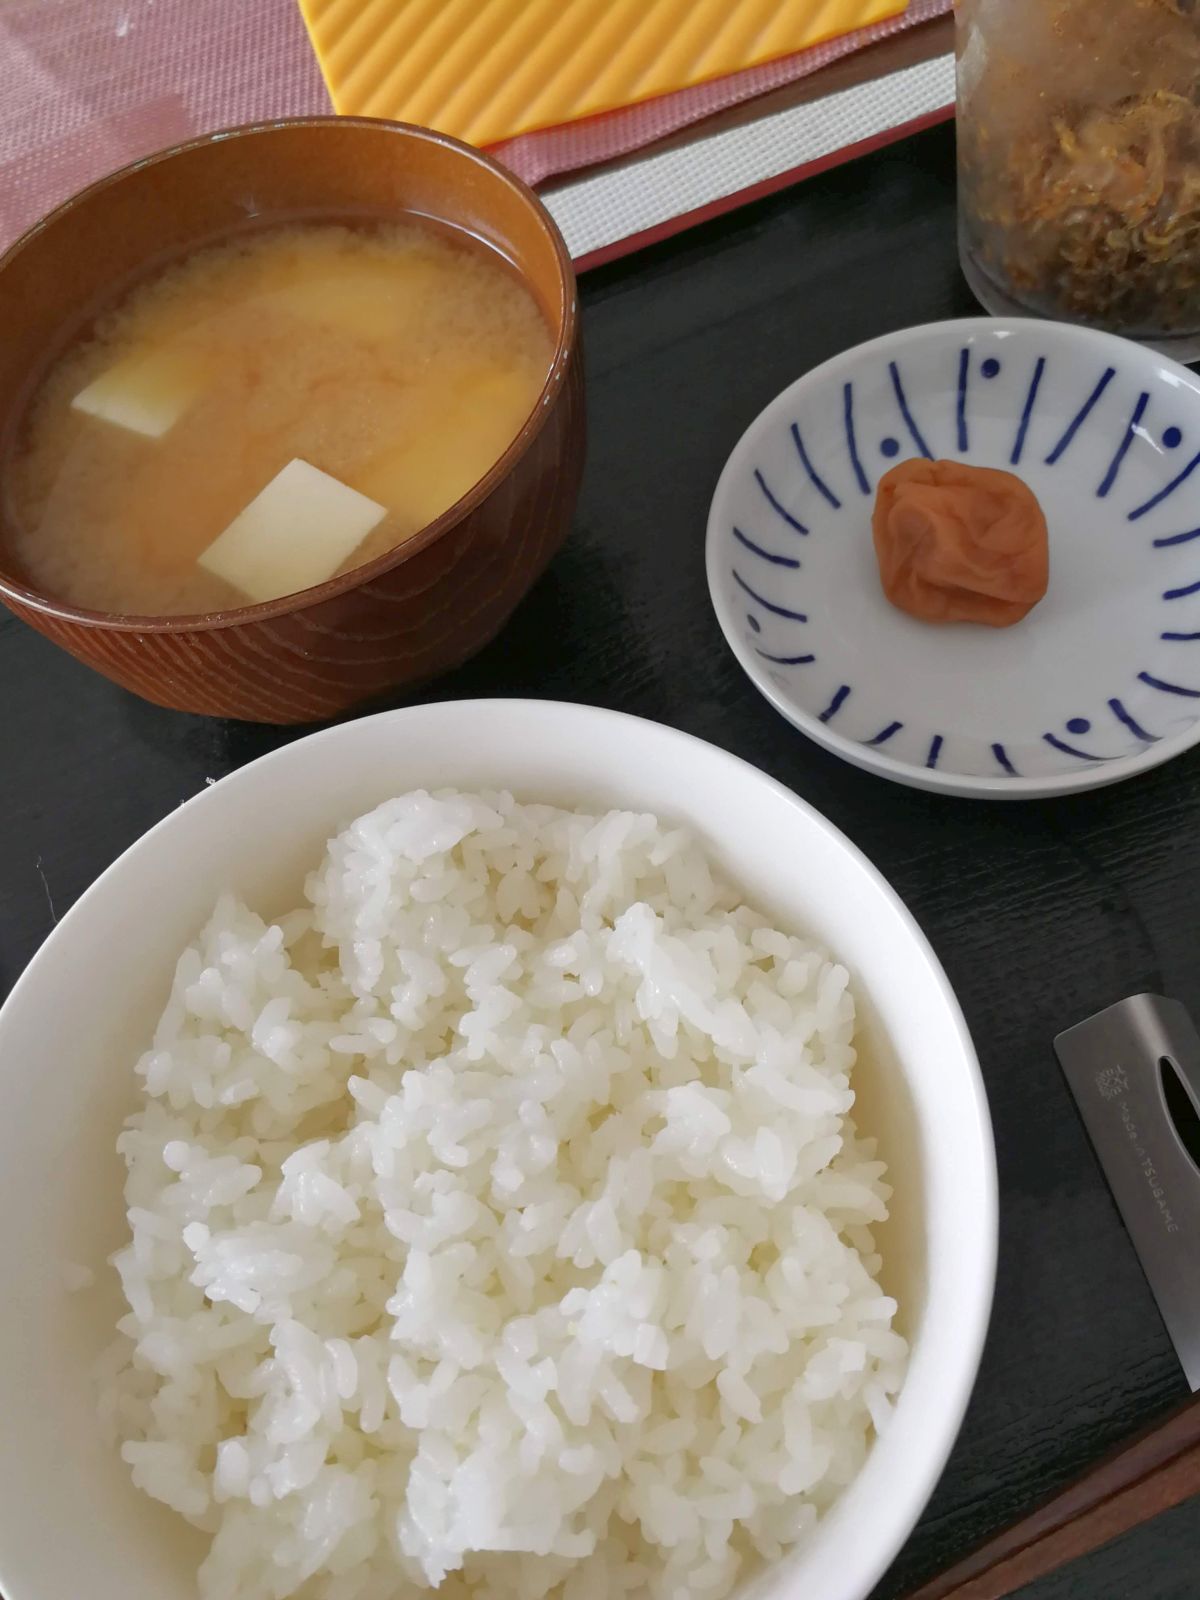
point(843, 1559)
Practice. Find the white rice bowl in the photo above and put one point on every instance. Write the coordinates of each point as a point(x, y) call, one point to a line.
point(499, 1223)
point(85, 1008)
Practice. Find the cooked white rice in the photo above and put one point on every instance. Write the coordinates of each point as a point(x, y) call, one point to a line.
point(498, 1223)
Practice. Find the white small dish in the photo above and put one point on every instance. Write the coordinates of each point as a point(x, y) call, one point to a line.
point(85, 1008)
point(1100, 681)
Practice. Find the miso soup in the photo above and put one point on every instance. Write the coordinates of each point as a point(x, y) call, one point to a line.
point(271, 411)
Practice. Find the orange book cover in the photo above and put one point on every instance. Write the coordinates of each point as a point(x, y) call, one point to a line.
point(487, 70)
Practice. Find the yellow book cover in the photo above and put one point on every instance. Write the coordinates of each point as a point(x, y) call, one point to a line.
point(486, 70)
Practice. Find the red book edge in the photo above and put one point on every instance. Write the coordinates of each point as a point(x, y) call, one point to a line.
point(719, 207)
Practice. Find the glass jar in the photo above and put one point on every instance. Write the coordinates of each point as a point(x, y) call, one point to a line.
point(1079, 162)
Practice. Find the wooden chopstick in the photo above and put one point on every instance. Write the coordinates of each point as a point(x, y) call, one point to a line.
point(1156, 1470)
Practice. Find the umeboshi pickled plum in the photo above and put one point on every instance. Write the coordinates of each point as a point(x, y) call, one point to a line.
point(957, 543)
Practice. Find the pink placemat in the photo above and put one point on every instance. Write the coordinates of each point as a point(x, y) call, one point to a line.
point(87, 85)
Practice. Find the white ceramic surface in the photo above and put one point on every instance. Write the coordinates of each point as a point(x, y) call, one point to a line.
point(71, 1525)
point(1101, 680)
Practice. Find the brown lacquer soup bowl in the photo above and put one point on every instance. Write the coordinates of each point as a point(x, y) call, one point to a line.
point(410, 614)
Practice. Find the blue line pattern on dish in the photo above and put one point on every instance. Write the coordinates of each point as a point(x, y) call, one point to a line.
point(1070, 750)
point(818, 482)
point(786, 661)
point(1033, 388)
point(775, 506)
point(1165, 494)
point(1027, 414)
point(851, 442)
point(1110, 477)
point(1169, 688)
point(835, 705)
point(1081, 416)
point(910, 422)
point(767, 605)
point(766, 555)
point(1135, 728)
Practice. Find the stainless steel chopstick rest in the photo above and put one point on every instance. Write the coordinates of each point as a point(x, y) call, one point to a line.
point(1134, 1071)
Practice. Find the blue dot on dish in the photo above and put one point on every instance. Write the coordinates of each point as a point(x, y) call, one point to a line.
point(755, 624)
point(890, 447)
point(1172, 438)
point(990, 368)
point(1079, 725)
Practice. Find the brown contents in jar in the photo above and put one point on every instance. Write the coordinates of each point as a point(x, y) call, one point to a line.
point(957, 543)
point(1080, 157)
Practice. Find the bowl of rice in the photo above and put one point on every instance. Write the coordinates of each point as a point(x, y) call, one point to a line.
point(492, 1149)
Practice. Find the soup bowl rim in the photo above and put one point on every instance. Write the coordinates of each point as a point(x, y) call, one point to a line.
point(565, 347)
